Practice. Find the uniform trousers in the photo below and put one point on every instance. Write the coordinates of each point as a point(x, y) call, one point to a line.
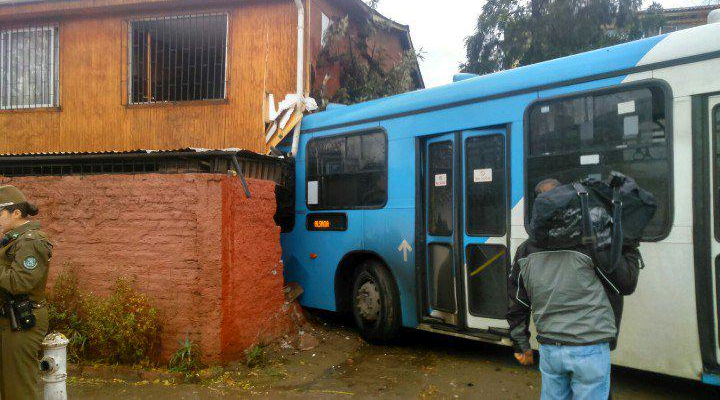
point(19, 367)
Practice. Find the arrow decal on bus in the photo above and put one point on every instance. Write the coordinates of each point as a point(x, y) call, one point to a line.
point(404, 248)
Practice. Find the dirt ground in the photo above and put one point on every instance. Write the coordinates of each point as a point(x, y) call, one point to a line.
point(342, 365)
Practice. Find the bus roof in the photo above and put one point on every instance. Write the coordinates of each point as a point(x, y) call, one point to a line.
point(622, 59)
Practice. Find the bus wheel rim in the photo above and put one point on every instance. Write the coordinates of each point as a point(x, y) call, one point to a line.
point(368, 301)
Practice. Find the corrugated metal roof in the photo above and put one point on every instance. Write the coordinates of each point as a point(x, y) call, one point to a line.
point(187, 150)
point(694, 8)
point(187, 160)
point(3, 2)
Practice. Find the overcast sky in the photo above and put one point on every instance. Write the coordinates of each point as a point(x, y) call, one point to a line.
point(440, 27)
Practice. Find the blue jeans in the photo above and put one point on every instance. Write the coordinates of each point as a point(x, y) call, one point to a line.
point(575, 372)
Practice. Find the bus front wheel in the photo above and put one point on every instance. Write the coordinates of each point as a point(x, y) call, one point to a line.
point(375, 303)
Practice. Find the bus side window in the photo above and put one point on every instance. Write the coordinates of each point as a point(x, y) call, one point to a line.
point(624, 130)
point(349, 171)
point(440, 193)
point(485, 201)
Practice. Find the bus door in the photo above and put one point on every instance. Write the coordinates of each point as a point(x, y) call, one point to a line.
point(466, 212)
point(713, 111)
point(441, 277)
point(485, 213)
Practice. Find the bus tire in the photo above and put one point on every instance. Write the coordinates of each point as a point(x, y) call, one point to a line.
point(376, 303)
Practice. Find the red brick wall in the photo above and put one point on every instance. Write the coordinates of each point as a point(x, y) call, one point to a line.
point(207, 257)
point(252, 283)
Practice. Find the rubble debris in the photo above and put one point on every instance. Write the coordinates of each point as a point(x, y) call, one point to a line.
point(307, 341)
point(292, 291)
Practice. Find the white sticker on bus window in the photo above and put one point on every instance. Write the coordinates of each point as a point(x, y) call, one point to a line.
point(441, 180)
point(626, 107)
point(545, 109)
point(482, 175)
point(631, 126)
point(312, 192)
point(590, 159)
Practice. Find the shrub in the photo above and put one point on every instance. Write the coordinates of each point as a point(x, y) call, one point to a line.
point(123, 328)
point(64, 302)
point(187, 359)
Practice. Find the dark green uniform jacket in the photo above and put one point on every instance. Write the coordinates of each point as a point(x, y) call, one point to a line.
point(24, 260)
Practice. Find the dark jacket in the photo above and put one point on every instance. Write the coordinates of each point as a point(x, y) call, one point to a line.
point(617, 282)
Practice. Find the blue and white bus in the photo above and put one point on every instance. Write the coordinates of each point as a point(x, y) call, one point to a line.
point(408, 208)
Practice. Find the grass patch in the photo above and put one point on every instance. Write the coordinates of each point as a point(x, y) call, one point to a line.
point(256, 356)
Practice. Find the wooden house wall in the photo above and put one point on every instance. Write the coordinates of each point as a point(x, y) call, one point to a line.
point(94, 115)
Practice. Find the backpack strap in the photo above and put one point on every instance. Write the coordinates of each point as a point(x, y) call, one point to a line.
point(589, 239)
point(588, 236)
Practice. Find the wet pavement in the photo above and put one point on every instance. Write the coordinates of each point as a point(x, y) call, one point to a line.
point(423, 366)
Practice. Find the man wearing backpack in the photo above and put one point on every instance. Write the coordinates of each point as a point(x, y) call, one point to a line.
point(576, 302)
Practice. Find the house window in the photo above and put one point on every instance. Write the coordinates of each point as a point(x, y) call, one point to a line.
point(626, 130)
point(28, 67)
point(324, 25)
point(180, 58)
point(348, 171)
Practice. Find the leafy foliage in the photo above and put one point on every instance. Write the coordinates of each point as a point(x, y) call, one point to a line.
point(366, 70)
point(512, 33)
point(64, 303)
point(123, 328)
point(653, 19)
point(256, 356)
point(187, 359)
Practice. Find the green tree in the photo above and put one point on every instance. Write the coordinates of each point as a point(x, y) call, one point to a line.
point(511, 33)
point(653, 19)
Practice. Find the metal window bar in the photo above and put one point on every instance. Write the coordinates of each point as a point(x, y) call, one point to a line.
point(178, 58)
point(29, 67)
point(3, 85)
point(224, 65)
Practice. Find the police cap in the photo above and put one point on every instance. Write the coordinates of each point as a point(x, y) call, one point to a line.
point(10, 195)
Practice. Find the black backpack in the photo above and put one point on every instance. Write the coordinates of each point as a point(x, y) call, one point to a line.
point(637, 204)
point(557, 219)
point(557, 215)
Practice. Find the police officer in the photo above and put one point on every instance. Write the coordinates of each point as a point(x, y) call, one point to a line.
point(24, 259)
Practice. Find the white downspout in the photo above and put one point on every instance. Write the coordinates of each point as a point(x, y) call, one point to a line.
point(300, 47)
point(300, 68)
